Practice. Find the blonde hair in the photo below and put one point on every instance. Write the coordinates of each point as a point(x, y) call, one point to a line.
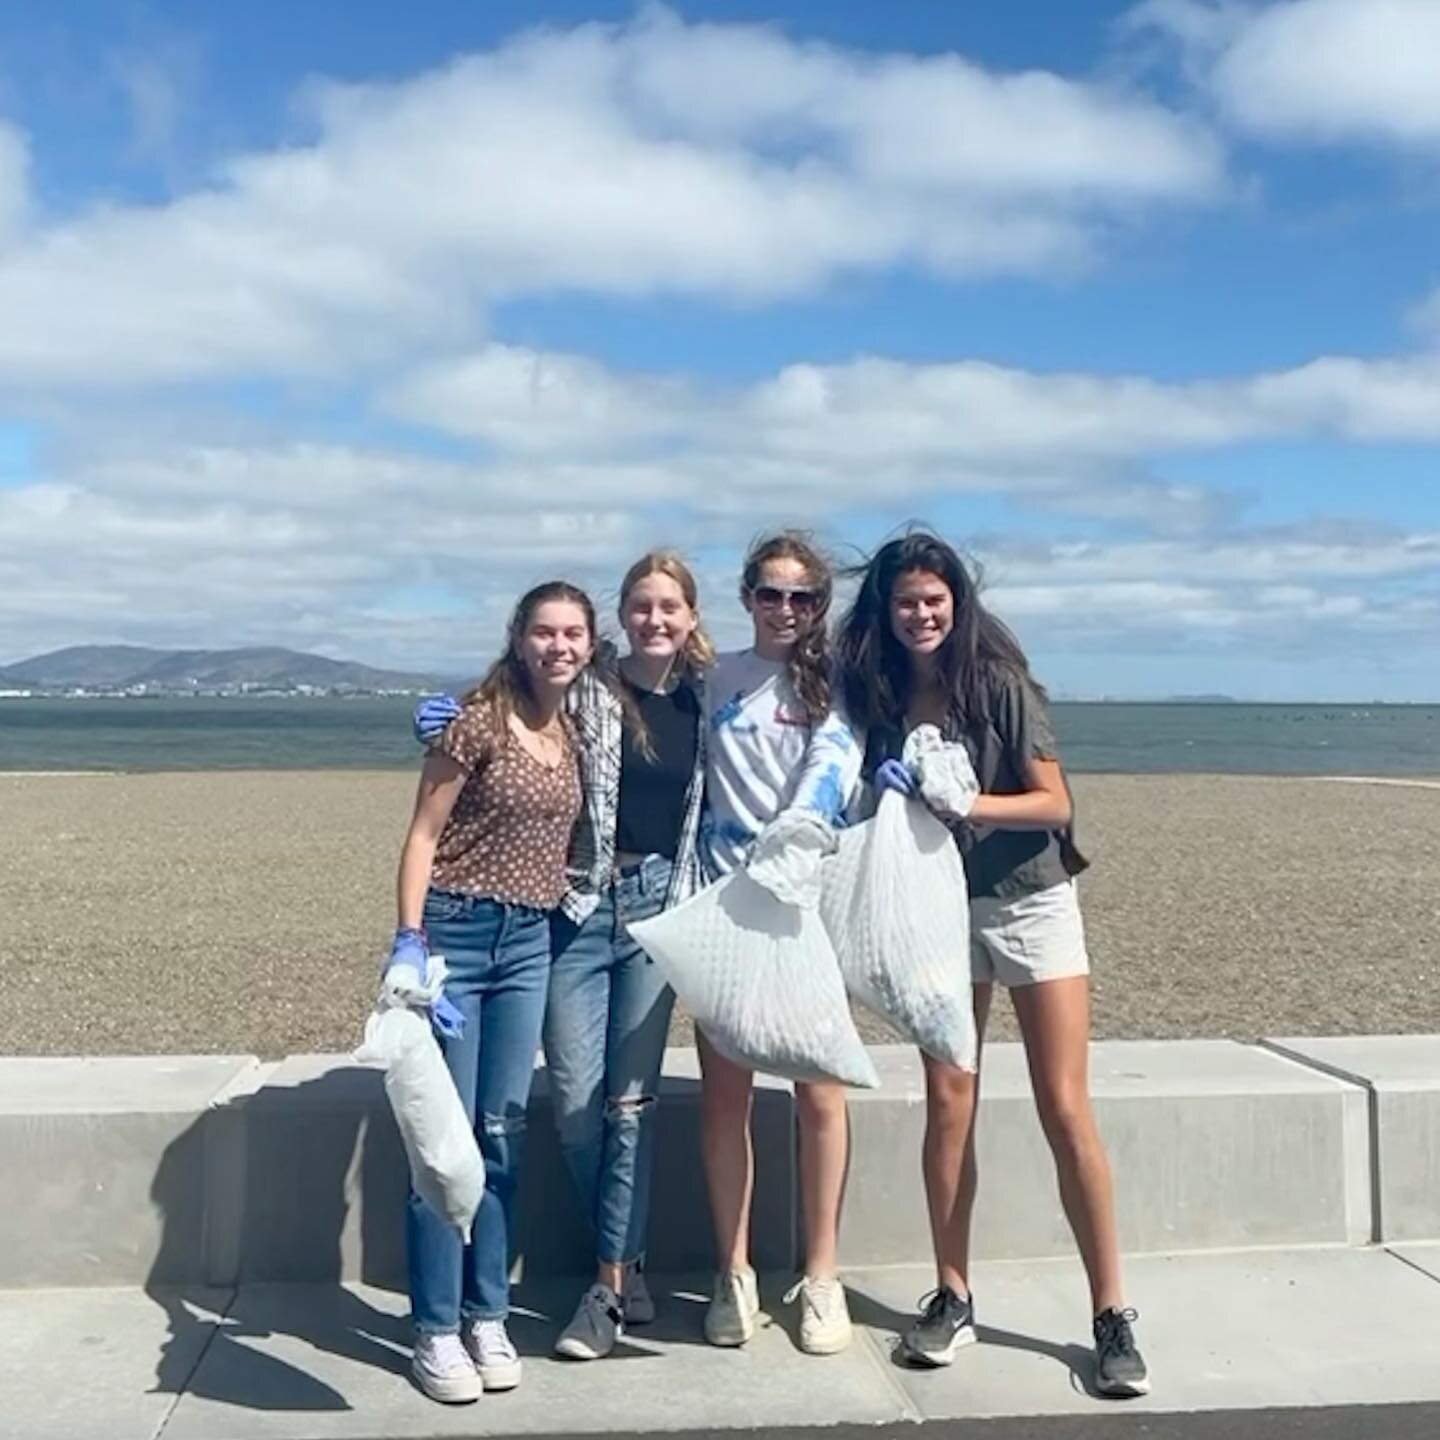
point(698, 654)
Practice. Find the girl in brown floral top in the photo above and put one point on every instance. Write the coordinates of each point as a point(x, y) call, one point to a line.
point(483, 864)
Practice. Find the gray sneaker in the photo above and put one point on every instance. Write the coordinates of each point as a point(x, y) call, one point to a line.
point(946, 1325)
point(596, 1325)
point(1119, 1366)
point(635, 1297)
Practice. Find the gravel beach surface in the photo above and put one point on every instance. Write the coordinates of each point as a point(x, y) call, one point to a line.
point(246, 912)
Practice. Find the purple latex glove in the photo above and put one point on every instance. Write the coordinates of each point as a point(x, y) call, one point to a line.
point(895, 775)
point(445, 1019)
point(432, 715)
point(409, 948)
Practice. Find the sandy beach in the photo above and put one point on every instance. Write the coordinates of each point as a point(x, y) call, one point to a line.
point(246, 912)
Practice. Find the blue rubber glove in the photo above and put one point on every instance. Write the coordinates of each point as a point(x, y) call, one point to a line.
point(409, 948)
point(445, 1019)
point(895, 775)
point(432, 715)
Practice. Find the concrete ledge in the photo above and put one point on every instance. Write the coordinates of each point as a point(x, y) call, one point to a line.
point(220, 1170)
point(107, 1175)
point(1401, 1074)
point(324, 1179)
point(1213, 1145)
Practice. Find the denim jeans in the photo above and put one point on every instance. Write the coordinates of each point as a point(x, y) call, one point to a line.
point(497, 958)
point(605, 1031)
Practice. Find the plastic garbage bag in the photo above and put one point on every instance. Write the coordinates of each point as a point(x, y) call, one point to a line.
point(943, 771)
point(787, 855)
point(895, 905)
point(446, 1167)
point(761, 979)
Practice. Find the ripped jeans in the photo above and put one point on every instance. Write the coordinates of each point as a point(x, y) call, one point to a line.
point(605, 1034)
point(498, 962)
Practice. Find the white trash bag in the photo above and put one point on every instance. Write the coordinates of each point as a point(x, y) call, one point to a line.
point(761, 980)
point(446, 1167)
point(895, 905)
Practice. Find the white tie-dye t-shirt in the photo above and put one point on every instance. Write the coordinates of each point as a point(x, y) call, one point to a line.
point(763, 756)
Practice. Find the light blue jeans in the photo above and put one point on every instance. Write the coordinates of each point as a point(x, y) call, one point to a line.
point(605, 1030)
point(497, 958)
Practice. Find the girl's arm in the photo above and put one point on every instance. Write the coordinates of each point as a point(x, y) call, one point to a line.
point(441, 781)
point(1044, 806)
point(830, 770)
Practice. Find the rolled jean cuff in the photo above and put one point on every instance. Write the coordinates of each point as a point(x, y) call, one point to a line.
point(467, 1315)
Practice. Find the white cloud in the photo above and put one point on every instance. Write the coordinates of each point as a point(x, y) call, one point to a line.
point(528, 400)
point(14, 185)
point(962, 423)
point(629, 160)
point(1321, 70)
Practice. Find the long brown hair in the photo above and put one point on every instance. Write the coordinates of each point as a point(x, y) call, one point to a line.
point(809, 662)
point(875, 668)
point(505, 687)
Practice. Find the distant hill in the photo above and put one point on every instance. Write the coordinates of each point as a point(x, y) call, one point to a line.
point(119, 667)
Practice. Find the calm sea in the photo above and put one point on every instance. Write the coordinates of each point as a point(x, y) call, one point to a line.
point(368, 733)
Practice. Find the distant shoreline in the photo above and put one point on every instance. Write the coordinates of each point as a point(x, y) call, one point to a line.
point(1168, 701)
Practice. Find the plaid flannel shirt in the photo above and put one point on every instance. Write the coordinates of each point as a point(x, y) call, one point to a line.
point(598, 718)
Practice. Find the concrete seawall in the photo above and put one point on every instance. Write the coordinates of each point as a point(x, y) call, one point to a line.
point(221, 1170)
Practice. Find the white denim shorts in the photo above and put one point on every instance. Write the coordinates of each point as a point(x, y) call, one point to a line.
point(1028, 939)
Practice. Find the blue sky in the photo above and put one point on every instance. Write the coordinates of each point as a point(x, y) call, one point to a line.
point(335, 326)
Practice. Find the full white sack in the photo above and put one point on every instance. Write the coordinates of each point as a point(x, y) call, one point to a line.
point(445, 1162)
point(761, 979)
point(894, 902)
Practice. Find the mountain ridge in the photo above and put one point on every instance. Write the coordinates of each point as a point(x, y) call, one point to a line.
point(127, 667)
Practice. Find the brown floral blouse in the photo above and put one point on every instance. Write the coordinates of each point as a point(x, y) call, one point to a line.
point(509, 833)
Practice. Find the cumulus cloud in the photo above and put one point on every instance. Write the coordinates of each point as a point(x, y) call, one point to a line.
point(1321, 70)
point(578, 468)
point(949, 420)
point(650, 158)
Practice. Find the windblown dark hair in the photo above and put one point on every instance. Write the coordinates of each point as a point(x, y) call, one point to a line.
point(809, 664)
point(874, 666)
point(505, 687)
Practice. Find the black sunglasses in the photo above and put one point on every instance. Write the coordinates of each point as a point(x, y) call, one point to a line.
point(772, 597)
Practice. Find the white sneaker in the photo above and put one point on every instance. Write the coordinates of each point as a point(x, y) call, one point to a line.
point(592, 1332)
point(730, 1319)
point(443, 1370)
point(489, 1345)
point(824, 1315)
point(636, 1301)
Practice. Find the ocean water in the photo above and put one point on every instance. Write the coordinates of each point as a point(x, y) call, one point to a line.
point(372, 732)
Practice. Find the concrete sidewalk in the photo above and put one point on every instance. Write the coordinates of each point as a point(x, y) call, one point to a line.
point(1259, 1330)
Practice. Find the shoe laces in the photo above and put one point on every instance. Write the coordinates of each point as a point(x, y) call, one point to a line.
point(446, 1353)
point(823, 1296)
point(934, 1303)
point(1112, 1329)
point(727, 1288)
point(493, 1341)
point(600, 1303)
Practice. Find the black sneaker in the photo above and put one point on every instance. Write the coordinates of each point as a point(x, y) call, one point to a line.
point(946, 1324)
point(1119, 1366)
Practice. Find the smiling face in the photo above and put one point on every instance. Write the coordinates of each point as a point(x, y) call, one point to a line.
point(922, 611)
point(782, 603)
point(658, 619)
point(555, 646)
